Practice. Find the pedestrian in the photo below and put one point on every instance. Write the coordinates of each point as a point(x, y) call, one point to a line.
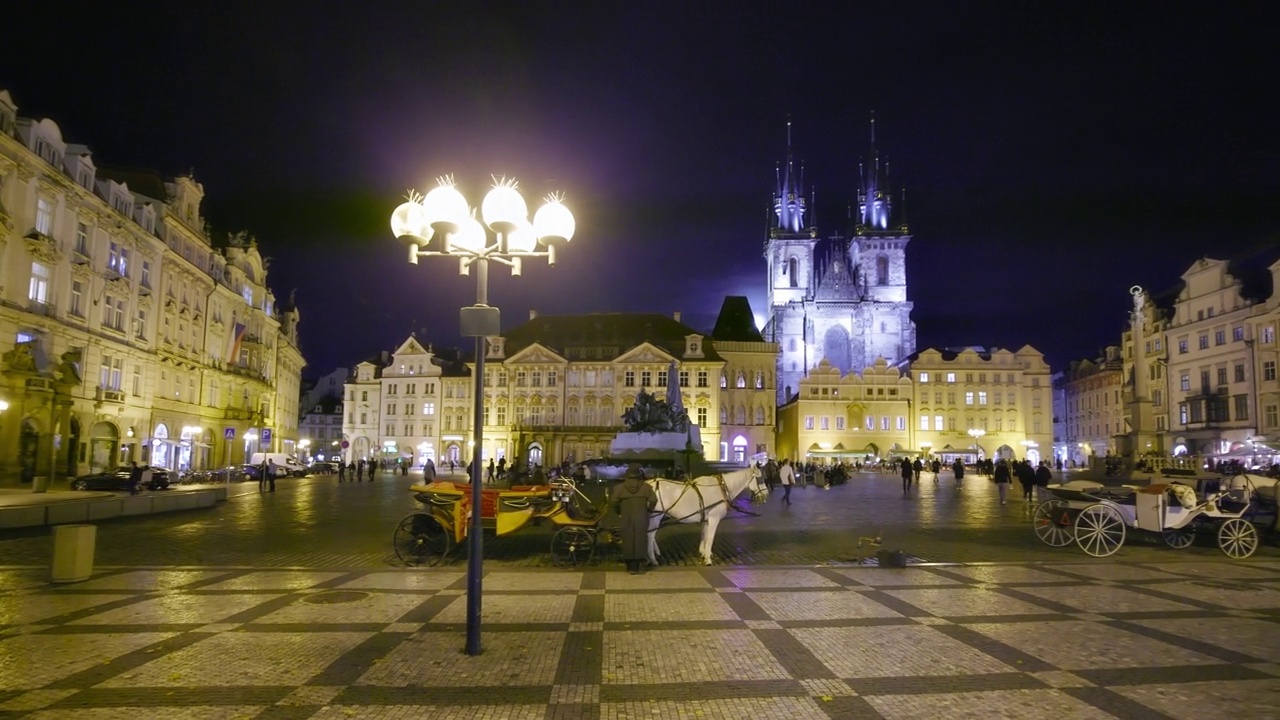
point(262, 477)
point(135, 478)
point(490, 478)
point(271, 474)
point(1002, 479)
point(632, 500)
point(373, 467)
point(342, 472)
point(917, 469)
point(1043, 476)
point(820, 478)
point(351, 471)
point(770, 474)
point(1027, 477)
point(144, 480)
point(360, 471)
point(906, 476)
point(787, 477)
point(957, 468)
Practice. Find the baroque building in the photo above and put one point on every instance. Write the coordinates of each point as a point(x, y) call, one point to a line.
point(1094, 407)
point(556, 388)
point(125, 334)
point(848, 306)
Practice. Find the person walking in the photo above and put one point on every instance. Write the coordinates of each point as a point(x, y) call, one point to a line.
point(373, 467)
point(787, 477)
point(906, 476)
point(271, 475)
point(262, 477)
point(1002, 478)
point(429, 471)
point(632, 500)
point(957, 469)
point(135, 478)
point(1027, 477)
point(1043, 476)
point(770, 474)
point(360, 471)
point(342, 472)
point(492, 470)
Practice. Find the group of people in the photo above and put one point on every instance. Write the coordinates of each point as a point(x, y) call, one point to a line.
point(357, 471)
point(1032, 478)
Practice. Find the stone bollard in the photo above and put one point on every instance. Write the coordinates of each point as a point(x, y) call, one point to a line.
point(73, 547)
point(40, 483)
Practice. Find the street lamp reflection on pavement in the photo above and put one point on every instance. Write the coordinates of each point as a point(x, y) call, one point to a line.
point(443, 224)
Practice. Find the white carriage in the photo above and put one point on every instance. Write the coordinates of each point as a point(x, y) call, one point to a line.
point(1097, 518)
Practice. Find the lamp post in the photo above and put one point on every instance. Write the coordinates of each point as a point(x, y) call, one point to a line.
point(976, 433)
point(442, 224)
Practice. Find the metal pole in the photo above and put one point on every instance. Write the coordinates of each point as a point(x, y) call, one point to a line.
point(475, 534)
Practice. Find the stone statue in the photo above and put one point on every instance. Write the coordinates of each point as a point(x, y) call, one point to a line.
point(651, 415)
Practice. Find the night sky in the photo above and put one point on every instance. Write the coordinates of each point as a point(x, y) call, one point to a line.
point(1053, 155)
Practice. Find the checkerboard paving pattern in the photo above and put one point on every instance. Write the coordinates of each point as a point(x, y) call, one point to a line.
point(1045, 640)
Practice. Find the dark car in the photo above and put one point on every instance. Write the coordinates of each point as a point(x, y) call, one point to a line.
point(323, 468)
point(118, 479)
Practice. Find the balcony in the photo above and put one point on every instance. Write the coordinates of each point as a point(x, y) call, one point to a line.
point(108, 395)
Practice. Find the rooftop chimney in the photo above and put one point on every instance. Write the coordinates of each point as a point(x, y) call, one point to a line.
point(676, 315)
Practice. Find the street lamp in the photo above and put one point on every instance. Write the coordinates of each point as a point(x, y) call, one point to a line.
point(442, 224)
point(976, 433)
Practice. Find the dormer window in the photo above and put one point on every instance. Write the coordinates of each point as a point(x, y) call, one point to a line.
point(85, 178)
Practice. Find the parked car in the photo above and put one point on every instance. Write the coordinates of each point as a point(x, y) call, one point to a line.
point(323, 468)
point(118, 479)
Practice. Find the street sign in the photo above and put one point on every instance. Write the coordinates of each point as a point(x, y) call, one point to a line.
point(345, 444)
point(229, 433)
point(266, 436)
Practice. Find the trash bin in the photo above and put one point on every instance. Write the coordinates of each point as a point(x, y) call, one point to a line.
point(73, 552)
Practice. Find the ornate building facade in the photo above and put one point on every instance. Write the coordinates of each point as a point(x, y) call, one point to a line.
point(849, 307)
point(125, 334)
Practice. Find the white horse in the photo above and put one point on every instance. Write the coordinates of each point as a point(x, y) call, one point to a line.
point(704, 499)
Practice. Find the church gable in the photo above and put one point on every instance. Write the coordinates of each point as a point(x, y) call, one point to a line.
point(410, 346)
point(645, 353)
point(535, 354)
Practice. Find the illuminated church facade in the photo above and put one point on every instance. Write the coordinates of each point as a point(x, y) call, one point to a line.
point(849, 305)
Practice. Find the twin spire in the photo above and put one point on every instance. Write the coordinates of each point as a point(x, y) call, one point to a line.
point(875, 204)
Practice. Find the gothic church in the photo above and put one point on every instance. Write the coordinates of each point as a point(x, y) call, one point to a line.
point(850, 306)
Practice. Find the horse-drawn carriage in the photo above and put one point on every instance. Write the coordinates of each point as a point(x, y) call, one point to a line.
point(426, 538)
point(1096, 518)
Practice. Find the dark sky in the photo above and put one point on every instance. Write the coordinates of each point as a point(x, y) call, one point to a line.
point(1053, 153)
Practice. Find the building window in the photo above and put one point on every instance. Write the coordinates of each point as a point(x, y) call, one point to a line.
point(884, 422)
point(38, 291)
point(839, 420)
point(522, 378)
point(1239, 372)
point(1268, 334)
point(662, 378)
point(968, 398)
point(1184, 382)
point(702, 378)
point(924, 422)
point(1237, 333)
point(1204, 342)
point(871, 422)
point(629, 378)
point(537, 378)
point(702, 417)
point(951, 377)
point(429, 408)
point(109, 376)
point(982, 397)
point(140, 324)
point(808, 422)
point(1269, 370)
point(826, 423)
point(1242, 407)
point(1222, 376)
point(77, 299)
point(44, 217)
point(82, 239)
point(924, 377)
point(1220, 337)
point(1272, 415)
point(684, 378)
point(1182, 346)
point(552, 378)
point(113, 313)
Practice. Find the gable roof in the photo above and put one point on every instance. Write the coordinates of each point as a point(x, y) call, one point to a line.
point(605, 335)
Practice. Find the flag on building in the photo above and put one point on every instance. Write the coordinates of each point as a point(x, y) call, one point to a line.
point(237, 336)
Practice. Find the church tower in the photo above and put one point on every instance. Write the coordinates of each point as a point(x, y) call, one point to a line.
point(789, 257)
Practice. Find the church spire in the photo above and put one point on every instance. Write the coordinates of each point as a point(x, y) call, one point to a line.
point(788, 200)
point(874, 204)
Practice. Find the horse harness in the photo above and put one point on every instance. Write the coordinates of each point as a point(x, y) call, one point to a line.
point(703, 507)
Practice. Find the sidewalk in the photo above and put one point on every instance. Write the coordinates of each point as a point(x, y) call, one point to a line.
point(1078, 640)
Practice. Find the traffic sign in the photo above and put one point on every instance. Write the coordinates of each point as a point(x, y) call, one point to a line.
point(266, 436)
point(229, 433)
point(345, 444)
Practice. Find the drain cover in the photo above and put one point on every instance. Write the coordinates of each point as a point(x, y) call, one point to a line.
point(336, 597)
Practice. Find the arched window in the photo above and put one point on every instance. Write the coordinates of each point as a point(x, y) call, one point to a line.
point(724, 381)
point(724, 415)
point(791, 272)
point(759, 380)
point(740, 416)
point(742, 379)
point(882, 270)
point(791, 347)
point(759, 415)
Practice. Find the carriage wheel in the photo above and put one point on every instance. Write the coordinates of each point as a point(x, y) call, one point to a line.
point(1238, 538)
point(1180, 538)
point(420, 539)
point(1099, 530)
point(1052, 523)
point(572, 546)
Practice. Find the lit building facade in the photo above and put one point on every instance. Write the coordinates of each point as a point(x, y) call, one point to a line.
point(1264, 350)
point(850, 307)
point(124, 334)
point(1095, 406)
point(970, 405)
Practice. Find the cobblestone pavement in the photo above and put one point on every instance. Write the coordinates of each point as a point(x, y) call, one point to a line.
point(316, 522)
point(1064, 639)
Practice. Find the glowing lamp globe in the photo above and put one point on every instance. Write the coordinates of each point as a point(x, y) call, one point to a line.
point(554, 223)
point(523, 239)
point(470, 236)
point(408, 223)
point(504, 208)
point(445, 209)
